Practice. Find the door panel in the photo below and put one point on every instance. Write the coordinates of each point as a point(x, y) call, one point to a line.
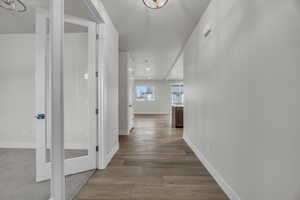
point(130, 104)
point(80, 120)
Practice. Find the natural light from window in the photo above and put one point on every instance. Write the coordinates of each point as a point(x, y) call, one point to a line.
point(177, 94)
point(145, 93)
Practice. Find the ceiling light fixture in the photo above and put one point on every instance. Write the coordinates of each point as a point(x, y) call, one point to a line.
point(148, 69)
point(13, 5)
point(155, 4)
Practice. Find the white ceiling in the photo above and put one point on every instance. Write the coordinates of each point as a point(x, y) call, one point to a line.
point(11, 22)
point(154, 38)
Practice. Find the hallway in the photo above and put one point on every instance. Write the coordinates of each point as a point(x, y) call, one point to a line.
point(153, 163)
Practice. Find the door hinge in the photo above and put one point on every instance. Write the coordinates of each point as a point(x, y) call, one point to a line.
point(97, 148)
point(99, 35)
point(97, 74)
point(97, 111)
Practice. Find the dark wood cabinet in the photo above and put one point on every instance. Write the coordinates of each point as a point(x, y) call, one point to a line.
point(177, 116)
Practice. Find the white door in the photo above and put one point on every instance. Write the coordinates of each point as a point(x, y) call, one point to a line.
point(130, 104)
point(80, 119)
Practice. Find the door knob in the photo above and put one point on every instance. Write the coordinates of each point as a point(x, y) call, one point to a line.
point(40, 116)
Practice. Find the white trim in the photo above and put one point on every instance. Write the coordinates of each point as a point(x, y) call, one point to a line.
point(100, 95)
point(151, 113)
point(94, 11)
point(109, 156)
point(124, 132)
point(216, 175)
point(58, 186)
point(24, 145)
point(17, 145)
point(41, 71)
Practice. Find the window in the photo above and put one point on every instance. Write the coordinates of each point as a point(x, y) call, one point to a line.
point(145, 93)
point(177, 94)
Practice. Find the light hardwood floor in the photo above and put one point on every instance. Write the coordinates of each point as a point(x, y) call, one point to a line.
point(153, 163)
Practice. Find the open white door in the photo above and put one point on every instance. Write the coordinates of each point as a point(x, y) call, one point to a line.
point(80, 120)
point(130, 104)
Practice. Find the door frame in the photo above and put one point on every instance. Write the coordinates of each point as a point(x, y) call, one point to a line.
point(99, 18)
point(57, 31)
point(43, 103)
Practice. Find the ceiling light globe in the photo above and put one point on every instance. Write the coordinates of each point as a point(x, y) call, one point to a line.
point(13, 5)
point(155, 4)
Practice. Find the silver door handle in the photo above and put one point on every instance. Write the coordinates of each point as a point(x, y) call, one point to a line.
point(40, 116)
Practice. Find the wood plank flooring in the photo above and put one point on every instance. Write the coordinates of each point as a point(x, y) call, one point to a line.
point(153, 163)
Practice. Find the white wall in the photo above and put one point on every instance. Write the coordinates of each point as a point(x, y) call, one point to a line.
point(76, 92)
point(17, 107)
point(109, 72)
point(17, 89)
point(162, 104)
point(242, 100)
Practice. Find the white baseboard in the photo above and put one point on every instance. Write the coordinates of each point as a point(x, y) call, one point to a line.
point(108, 157)
point(75, 146)
point(216, 175)
point(124, 133)
point(151, 113)
point(16, 145)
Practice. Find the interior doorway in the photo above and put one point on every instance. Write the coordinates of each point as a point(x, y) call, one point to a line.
point(80, 96)
point(177, 102)
point(25, 41)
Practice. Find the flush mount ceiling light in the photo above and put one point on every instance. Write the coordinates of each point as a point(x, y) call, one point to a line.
point(13, 5)
point(155, 4)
